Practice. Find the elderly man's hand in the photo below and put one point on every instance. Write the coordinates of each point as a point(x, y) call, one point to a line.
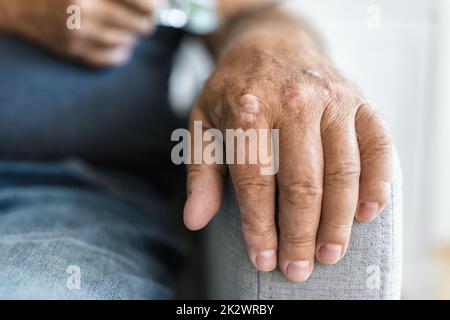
point(335, 151)
point(109, 28)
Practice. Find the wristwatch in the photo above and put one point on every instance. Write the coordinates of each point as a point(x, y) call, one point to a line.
point(196, 16)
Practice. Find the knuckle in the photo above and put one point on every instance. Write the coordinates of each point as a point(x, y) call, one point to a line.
point(258, 230)
point(343, 93)
point(335, 124)
point(244, 108)
point(326, 131)
point(377, 138)
point(374, 119)
point(193, 172)
point(308, 96)
point(254, 189)
point(341, 106)
point(376, 146)
point(342, 174)
point(367, 114)
point(301, 94)
point(298, 241)
point(302, 193)
point(336, 227)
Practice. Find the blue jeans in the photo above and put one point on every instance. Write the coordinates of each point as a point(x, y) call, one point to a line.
point(102, 226)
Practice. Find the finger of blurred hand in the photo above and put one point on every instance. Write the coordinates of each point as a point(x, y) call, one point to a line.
point(121, 16)
point(376, 163)
point(106, 37)
point(104, 57)
point(146, 7)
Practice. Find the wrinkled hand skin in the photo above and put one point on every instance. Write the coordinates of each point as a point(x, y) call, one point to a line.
point(109, 28)
point(335, 150)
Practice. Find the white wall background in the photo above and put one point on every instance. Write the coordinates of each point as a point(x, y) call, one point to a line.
point(398, 53)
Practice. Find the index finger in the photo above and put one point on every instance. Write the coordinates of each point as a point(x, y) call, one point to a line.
point(248, 133)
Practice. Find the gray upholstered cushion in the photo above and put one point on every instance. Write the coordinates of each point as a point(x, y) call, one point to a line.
point(374, 247)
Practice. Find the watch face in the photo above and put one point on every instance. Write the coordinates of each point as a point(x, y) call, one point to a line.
point(197, 16)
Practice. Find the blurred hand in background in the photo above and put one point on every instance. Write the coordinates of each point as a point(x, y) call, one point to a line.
point(109, 28)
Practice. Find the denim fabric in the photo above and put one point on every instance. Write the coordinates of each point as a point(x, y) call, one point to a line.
point(118, 232)
point(61, 222)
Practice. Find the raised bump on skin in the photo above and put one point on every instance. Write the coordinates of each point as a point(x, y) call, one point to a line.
point(218, 110)
point(314, 73)
point(293, 102)
point(306, 95)
point(249, 108)
point(298, 98)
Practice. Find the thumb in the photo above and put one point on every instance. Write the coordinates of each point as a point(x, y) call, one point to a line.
point(204, 182)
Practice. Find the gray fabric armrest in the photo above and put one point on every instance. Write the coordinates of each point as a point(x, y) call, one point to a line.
point(370, 270)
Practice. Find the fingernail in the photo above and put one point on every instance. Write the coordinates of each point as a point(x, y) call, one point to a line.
point(266, 260)
point(367, 210)
point(330, 253)
point(298, 271)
